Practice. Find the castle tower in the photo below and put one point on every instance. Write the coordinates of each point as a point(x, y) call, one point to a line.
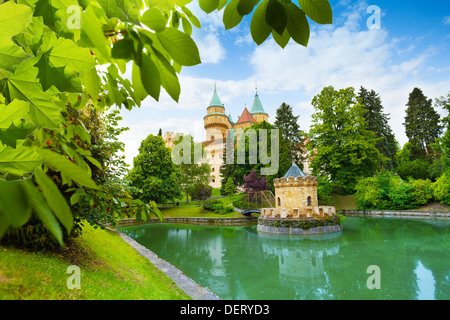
point(216, 120)
point(257, 110)
point(297, 205)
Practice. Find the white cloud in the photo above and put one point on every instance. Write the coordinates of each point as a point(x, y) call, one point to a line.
point(210, 48)
point(347, 56)
point(446, 20)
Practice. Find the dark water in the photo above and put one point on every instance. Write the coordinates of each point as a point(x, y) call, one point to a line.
point(411, 257)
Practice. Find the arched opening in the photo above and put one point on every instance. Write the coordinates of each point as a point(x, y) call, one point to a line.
point(308, 201)
point(279, 201)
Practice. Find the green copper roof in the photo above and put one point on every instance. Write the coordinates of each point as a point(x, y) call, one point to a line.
point(215, 101)
point(294, 171)
point(257, 106)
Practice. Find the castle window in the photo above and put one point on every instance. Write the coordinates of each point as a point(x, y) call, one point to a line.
point(308, 201)
point(279, 202)
point(212, 169)
point(213, 180)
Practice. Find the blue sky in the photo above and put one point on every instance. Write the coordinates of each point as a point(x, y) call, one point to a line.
point(411, 49)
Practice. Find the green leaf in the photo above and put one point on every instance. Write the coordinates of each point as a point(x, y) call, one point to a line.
point(59, 163)
point(276, 16)
point(14, 203)
point(259, 29)
point(150, 77)
point(92, 83)
point(154, 19)
point(318, 10)
point(297, 25)
point(16, 131)
point(55, 199)
point(14, 19)
point(19, 162)
point(13, 112)
point(208, 5)
point(43, 211)
point(191, 17)
point(163, 5)
point(92, 34)
point(169, 79)
point(283, 39)
point(125, 10)
point(231, 16)
point(180, 46)
point(24, 85)
point(246, 6)
point(138, 87)
point(187, 28)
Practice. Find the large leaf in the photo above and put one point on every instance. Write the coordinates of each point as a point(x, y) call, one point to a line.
point(297, 25)
point(14, 203)
point(43, 211)
point(208, 5)
point(318, 10)
point(59, 163)
point(169, 79)
point(14, 19)
point(259, 29)
point(246, 6)
point(180, 46)
point(125, 10)
point(55, 199)
point(16, 131)
point(154, 19)
point(276, 16)
point(150, 77)
point(92, 34)
point(24, 85)
point(231, 16)
point(19, 162)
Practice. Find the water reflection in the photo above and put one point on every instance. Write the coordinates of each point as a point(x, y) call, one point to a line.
point(239, 263)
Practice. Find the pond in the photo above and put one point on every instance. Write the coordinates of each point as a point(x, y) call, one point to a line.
point(372, 258)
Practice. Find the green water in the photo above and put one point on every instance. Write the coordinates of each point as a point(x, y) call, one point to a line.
point(238, 263)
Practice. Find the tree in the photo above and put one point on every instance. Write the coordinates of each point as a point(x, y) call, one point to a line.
point(160, 132)
point(294, 137)
point(49, 58)
point(154, 173)
point(230, 188)
point(378, 122)
point(344, 149)
point(422, 125)
point(444, 103)
point(254, 182)
point(192, 172)
point(282, 161)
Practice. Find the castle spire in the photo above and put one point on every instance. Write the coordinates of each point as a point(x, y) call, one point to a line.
point(215, 100)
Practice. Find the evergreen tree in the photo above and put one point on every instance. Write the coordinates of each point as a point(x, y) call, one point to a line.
point(378, 122)
point(229, 188)
point(160, 132)
point(293, 136)
point(422, 124)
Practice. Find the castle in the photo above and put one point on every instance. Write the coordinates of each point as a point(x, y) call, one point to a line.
point(216, 123)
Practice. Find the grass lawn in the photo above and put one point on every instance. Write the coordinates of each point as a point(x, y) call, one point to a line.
point(110, 269)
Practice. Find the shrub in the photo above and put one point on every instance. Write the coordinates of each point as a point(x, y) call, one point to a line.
point(423, 191)
point(441, 189)
point(324, 191)
point(200, 191)
point(402, 197)
point(367, 195)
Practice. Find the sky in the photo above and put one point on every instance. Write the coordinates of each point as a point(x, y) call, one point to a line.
point(411, 48)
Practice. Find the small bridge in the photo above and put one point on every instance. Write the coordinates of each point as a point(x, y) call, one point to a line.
point(255, 200)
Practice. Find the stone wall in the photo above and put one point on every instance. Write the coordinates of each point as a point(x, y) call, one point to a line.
point(400, 213)
point(292, 195)
point(199, 220)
